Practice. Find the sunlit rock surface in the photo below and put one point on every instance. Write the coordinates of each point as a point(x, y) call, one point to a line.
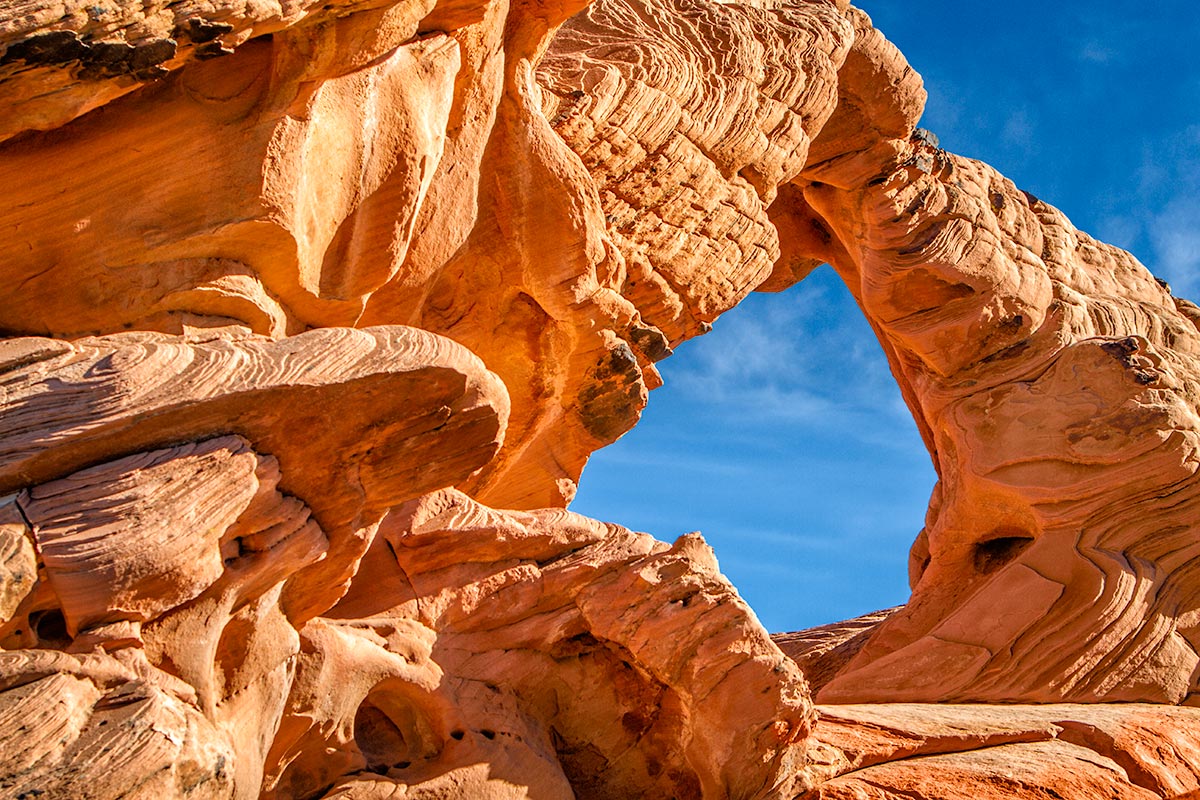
point(1055, 382)
point(297, 296)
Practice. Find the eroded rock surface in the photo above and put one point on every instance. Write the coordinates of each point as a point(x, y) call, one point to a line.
point(572, 655)
point(298, 295)
point(961, 751)
point(1054, 380)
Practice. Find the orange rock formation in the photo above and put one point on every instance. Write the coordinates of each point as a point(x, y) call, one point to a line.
point(298, 295)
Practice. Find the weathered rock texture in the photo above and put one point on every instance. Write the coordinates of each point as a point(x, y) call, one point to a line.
point(969, 751)
point(1055, 382)
point(297, 295)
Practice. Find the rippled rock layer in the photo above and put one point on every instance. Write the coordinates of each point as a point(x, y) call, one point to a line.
point(313, 313)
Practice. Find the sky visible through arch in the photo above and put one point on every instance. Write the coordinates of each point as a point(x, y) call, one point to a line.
point(781, 435)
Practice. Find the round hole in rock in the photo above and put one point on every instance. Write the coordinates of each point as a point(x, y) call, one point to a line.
point(392, 727)
point(1002, 547)
point(783, 437)
point(380, 740)
point(51, 628)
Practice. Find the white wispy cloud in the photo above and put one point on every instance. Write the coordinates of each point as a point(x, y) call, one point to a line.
point(1122, 231)
point(1019, 129)
point(1175, 238)
point(1096, 52)
point(1163, 226)
point(806, 356)
point(674, 461)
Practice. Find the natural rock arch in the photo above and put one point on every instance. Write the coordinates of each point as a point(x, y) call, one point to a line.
point(550, 213)
point(991, 308)
point(781, 436)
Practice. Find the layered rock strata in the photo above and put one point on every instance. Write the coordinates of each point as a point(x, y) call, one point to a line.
point(897, 750)
point(1053, 378)
point(303, 293)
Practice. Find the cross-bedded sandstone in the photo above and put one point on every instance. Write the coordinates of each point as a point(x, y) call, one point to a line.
point(298, 295)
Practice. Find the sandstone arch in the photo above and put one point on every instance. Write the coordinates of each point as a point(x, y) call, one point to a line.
point(990, 307)
point(522, 210)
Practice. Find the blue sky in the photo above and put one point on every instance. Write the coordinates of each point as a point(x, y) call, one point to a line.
point(780, 435)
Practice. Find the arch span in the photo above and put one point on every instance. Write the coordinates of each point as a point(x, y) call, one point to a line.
point(1052, 377)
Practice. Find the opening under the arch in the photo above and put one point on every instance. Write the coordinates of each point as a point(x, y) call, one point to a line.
point(782, 436)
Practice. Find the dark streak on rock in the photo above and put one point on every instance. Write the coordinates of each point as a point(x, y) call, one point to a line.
point(99, 60)
point(650, 342)
point(214, 49)
point(611, 401)
point(52, 47)
point(202, 31)
point(152, 53)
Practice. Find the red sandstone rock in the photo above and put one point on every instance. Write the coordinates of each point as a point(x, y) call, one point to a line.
point(139, 536)
point(250, 546)
point(822, 652)
point(1052, 377)
point(946, 751)
point(570, 654)
point(399, 394)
